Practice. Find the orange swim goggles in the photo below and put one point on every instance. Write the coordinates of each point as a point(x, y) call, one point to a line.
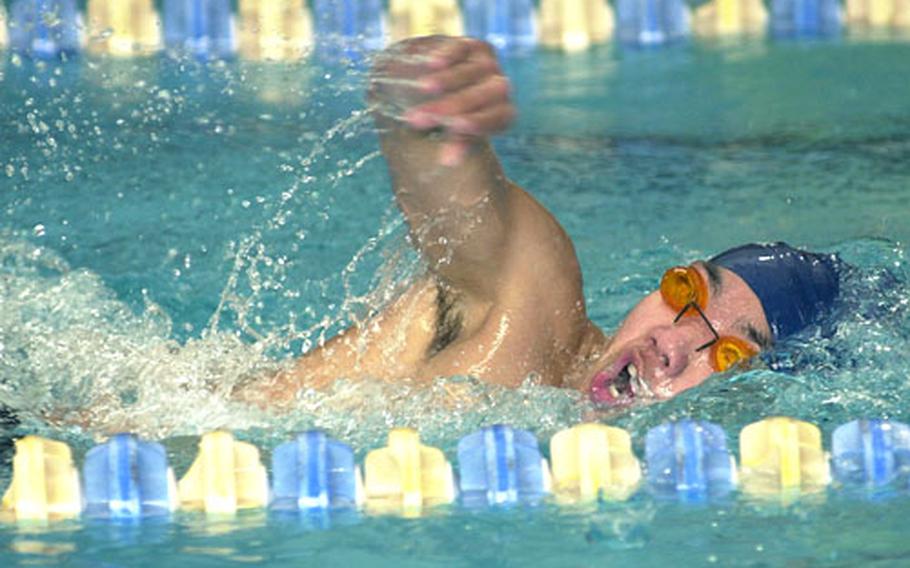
point(684, 289)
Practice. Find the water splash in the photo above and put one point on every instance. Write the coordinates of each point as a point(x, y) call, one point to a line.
point(74, 356)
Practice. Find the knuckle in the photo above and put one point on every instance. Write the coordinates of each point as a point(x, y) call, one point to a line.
point(500, 85)
point(490, 66)
point(480, 49)
point(487, 48)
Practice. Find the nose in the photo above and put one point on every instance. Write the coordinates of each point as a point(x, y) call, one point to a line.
point(675, 344)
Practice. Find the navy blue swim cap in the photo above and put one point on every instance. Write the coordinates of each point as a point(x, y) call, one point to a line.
point(794, 286)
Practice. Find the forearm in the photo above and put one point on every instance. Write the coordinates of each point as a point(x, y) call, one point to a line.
point(459, 216)
point(425, 187)
point(436, 101)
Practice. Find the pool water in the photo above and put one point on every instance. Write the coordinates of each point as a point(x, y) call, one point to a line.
point(172, 228)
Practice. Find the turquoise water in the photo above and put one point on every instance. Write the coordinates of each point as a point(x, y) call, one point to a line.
point(169, 229)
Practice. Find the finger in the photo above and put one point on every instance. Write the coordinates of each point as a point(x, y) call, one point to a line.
point(451, 53)
point(397, 72)
point(491, 92)
point(412, 57)
point(459, 76)
point(486, 121)
point(420, 120)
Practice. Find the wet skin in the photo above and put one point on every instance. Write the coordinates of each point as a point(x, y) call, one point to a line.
point(652, 356)
point(503, 297)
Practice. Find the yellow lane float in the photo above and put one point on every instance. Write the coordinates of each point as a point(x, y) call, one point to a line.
point(406, 476)
point(782, 456)
point(123, 28)
point(730, 17)
point(411, 18)
point(592, 461)
point(574, 25)
point(274, 30)
point(45, 483)
point(4, 39)
point(878, 13)
point(226, 476)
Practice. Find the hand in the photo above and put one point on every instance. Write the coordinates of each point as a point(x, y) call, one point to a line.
point(450, 83)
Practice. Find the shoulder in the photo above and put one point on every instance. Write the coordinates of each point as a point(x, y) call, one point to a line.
point(542, 278)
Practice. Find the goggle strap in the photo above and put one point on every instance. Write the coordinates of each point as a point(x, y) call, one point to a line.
point(708, 323)
point(682, 312)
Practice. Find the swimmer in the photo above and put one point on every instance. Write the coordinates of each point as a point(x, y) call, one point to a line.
point(503, 296)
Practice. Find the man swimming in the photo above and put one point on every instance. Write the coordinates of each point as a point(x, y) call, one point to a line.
point(503, 295)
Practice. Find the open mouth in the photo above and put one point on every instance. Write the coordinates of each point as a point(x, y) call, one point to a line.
point(620, 384)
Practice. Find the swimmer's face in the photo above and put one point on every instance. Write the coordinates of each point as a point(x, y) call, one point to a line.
point(651, 357)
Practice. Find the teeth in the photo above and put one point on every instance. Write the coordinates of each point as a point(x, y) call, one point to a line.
point(613, 392)
point(641, 388)
point(637, 383)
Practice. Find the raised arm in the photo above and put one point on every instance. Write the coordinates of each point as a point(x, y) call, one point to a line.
point(509, 264)
point(435, 101)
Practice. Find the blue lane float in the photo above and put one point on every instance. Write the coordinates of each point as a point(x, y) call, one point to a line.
point(802, 18)
point(507, 24)
point(44, 28)
point(501, 465)
point(689, 460)
point(651, 22)
point(203, 28)
point(349, 25)
point(126, 478)
point(872, 453)
point(315, 472)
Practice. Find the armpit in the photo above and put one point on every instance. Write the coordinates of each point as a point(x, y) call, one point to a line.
point(449, 320)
